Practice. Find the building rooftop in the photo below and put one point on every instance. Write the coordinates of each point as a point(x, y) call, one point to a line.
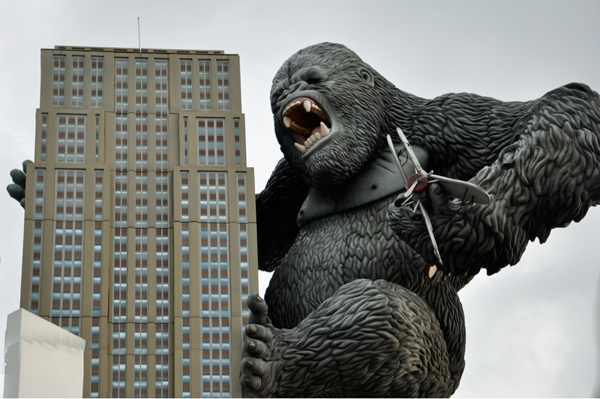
point(137, 50)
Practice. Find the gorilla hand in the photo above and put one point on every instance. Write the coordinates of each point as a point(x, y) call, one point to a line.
point(17, 189)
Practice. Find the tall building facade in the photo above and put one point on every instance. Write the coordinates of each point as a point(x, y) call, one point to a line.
point(140, 228)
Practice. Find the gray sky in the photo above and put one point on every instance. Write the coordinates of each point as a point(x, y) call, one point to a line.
point(531, 328)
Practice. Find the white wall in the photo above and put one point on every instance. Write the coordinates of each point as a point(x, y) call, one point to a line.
point(42, 359)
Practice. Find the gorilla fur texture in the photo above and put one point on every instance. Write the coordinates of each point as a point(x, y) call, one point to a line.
point(350, 310)
point(547, 176)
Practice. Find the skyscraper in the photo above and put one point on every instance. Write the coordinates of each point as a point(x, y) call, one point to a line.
point(140, 218)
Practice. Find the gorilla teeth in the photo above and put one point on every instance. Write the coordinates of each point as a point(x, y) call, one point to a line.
point(324, 130)
point(307, 105)
point(305, 118)
point(300, 148)
point(303, 115)
point(318, 134)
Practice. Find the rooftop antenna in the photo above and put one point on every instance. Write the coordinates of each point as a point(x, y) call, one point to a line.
point(139, 36)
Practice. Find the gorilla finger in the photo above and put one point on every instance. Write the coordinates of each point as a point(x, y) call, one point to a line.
point(258, 332)
point(255, 348)
point(15, 191)
point(18, 177)
point(250, 381)
point(254, 366)
point(25, 163)
point(22, 202)
point(258, 308)
point(437, 197)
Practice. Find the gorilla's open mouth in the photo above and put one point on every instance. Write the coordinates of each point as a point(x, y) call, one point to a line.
point(307, 120)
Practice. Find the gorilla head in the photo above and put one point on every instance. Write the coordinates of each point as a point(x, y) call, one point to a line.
point(328, 110)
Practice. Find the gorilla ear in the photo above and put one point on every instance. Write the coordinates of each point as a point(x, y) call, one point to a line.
point(366, 75)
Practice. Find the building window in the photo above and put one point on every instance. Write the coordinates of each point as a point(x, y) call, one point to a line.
point(211, 141)
point(185, 270)
point(162, 276)
point(97, 81)
point(121, 86)
point(140, 377)
point(185, 140)
point(119, 339)
point(95, 363)
point(185, 285)
point(120, 277)
point(77, 83)
point(213, 197)
point(162, 148)
point(162, 201)
point(161, 88)
point(36, 268)
point(121, 204)
point(141, 143)
point(214, 282)
point(141, 201)
point(58, 81)
point(40, 178)
point(70, 189)
point(99, 196)
point(141, 119)
point(186, 386)
point(121, 134)
point(68, 249)
point(223, 85)
point(38, 240)
point(119, 375)
point(71, 138)
point(161, 94)
point(140, 339)
point(243, 249)
point(204, 81)
point(98, 213)
point(187, 102)
point(185, 197)
point(162, 376)
point(141, 86)
point(44, 137)
point(214, 253)
point(238, 141)
point(121, 225)
point(216, 378)
point(242, 203)
point(97, 139)
point(97, 279)
point(141, 277)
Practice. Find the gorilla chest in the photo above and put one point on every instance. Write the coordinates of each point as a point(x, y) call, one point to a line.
point(334, 251)
point(345, 246)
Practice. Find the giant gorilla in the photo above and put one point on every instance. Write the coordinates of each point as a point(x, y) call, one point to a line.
point(355, 307)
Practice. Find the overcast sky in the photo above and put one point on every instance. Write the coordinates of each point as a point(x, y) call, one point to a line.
point(530, 329)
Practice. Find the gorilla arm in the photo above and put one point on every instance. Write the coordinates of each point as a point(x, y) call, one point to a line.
point(277, 208)
point(549, 177)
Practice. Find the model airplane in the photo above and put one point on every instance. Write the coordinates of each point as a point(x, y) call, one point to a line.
point(416, 186)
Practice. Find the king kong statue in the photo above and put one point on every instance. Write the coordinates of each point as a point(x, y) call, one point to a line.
point(355, 307)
